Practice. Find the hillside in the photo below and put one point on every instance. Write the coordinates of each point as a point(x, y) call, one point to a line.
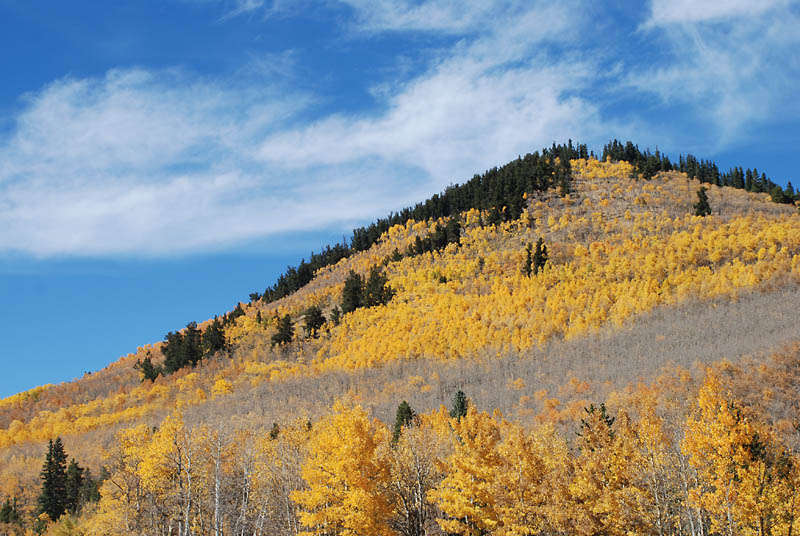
point(637, 297)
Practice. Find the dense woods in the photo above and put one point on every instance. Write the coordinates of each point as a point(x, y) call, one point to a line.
point(260, 421)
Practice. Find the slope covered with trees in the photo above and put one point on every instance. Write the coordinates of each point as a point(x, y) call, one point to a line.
point(282, 416)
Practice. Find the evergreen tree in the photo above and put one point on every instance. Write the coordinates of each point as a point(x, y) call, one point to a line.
point(182, 349)
point(9, 513)
point(336, 316)
point(90, 488)
point(353, 293)
point(285, 332)
point(376, 291)
point(214, 338)
point(453, 231)
point(148, 370)
point(314, 319)
point(539, 256)
point(404, 417)
point(275, 432)
point(74, 483)
point(702, 207)
point(528, 260)
point(459, 405)
point(602, 415)
point(52, 499)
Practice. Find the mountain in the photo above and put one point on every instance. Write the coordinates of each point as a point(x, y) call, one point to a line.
point(604, 347)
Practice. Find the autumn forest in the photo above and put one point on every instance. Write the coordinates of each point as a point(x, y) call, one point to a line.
point(574, 343)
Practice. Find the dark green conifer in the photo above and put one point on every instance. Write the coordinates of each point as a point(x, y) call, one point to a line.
point(702, 207)
point(149, 371)
point(313, 319)
point(214, 338)
point(539, 256)
point(376, 291)
point(285, 332)
point(528, 269)
point(74, 484)
point(52, 499)
point(404, 417)
point(460, 404)
point(353, 293)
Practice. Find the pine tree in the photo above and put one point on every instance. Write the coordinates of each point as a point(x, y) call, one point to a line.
point(528, 260)
point(336, 316)
point(376, 291)
point(285, 332)
point(9, 513)
point(539, 256)
point(314, 319)
point(52, 499)
point(214, 338)
point(453, 231)
point(404, 417)
point(74, 483)
point(148, 370)
point(702, 207)
point(353, 293)
point(460, 404)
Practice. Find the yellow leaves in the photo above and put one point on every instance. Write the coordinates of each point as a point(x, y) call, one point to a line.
point(222, 387)
point(345, 477)
point(466, 494)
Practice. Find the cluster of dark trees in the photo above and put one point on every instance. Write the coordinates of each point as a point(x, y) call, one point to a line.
point(648, 164)
point(371, 292)
point(358, 292)
point(499, 190)
point(535, 259)
point(65, 488)
point(296, 278)
point(188, 347)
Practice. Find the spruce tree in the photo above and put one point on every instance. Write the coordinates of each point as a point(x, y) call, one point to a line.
point(285, 331)
point(314, 319)
point(459, 405)
point(702, 207)
point(149, 371)
point(404, 417)
point(214, 338)
point(353, 293)
point(528, 260)
point(376, 291)
point(539, 256)
point(52, 499)
point(74, 484)
point(9, 513)
point(336, 316)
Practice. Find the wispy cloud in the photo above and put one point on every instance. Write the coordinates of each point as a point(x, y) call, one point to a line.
point(163, 162)
point(734, 63)
point(691, 11)
point(155, 163)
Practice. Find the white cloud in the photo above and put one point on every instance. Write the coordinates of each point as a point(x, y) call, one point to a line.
point(734, 64)
point(491, 97)
point(158, 163)
point(691, 11)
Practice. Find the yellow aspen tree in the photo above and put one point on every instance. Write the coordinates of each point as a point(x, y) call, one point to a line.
point(466, 495)
point(606, 499)
point(747, 483)
point(123, 498)
point(531, 486)
point(346, 493)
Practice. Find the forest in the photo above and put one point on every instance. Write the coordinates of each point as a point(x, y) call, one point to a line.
point(571, 343)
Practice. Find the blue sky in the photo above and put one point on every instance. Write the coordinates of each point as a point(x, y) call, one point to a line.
point(161, 160)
